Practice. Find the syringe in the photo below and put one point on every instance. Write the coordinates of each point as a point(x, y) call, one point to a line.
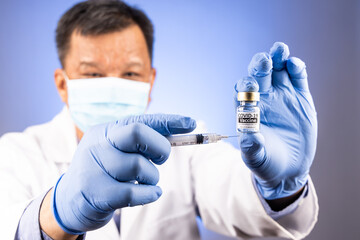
point(193, 139)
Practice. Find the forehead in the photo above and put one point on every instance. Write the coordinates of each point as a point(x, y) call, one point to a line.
point(115, 48)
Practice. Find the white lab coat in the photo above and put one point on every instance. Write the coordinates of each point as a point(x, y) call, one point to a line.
point(211, 178)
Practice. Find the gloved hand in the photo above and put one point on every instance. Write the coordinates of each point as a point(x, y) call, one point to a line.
point(108, 161)
point(280, 155)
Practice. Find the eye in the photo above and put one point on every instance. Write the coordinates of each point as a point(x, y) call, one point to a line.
point(131, 74)
point(93, 75)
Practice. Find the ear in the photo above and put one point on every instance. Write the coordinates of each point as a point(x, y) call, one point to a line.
point(152, 80)
point(61, 86)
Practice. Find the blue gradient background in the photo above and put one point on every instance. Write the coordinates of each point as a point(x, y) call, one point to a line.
point(201, 49)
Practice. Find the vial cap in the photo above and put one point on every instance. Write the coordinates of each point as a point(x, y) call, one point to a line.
point(248, 96)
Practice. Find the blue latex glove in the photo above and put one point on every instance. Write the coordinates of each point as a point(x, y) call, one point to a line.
point(281, 155)
point(108, 161)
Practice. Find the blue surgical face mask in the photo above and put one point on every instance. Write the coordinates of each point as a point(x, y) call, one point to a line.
point(100, 100)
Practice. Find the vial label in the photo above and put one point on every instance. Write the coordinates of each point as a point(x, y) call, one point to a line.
point(248, 121)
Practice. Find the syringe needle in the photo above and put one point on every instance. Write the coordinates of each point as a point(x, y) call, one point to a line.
point(232, 136)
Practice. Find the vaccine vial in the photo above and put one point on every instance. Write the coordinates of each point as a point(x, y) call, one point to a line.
point(248, 112)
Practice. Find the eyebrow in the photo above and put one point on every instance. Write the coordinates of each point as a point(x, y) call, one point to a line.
point(90, 64)
point(134, 63)
point(95, 64)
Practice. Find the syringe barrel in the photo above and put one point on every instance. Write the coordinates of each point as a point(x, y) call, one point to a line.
point(183, 140)
point(211, 137)
point(193, 139)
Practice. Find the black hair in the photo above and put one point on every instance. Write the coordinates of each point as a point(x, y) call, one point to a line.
point(96, 17)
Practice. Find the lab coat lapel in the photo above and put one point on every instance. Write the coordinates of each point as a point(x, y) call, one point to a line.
point(130, 221)
point(59, 140)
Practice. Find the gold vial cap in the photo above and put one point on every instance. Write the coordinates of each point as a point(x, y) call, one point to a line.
point(248, 96)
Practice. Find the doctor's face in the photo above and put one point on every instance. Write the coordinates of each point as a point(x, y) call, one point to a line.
point(122, 54)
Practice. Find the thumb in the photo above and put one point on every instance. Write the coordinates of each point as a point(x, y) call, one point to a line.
point(165, 124)
point(253, 150)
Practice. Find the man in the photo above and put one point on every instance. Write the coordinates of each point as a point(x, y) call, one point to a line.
point(65, 179)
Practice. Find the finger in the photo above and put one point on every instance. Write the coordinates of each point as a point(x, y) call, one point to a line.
point(126, 167)
point(260, 68)
point(129, 194)
point(297, 72)
point(279, 53)
point(252, 150)
point(165, 124)
point(139, 138)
